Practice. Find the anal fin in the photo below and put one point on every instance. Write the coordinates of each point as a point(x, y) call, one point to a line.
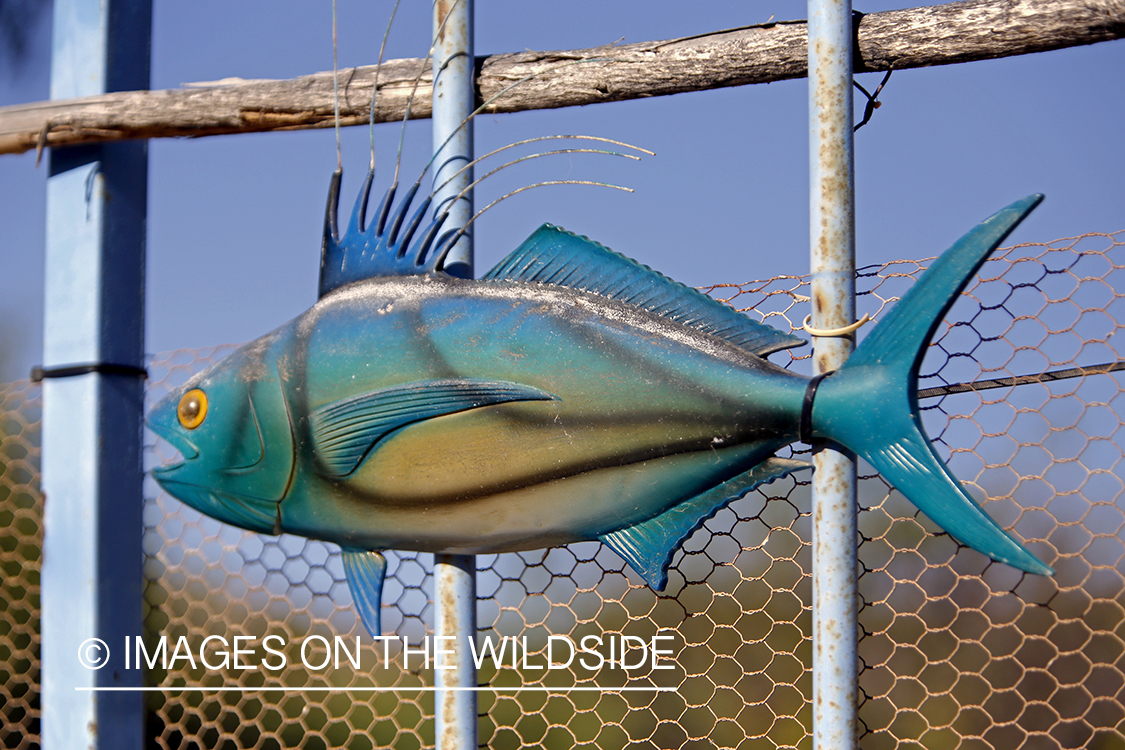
point(365, 571)
point(648, 546)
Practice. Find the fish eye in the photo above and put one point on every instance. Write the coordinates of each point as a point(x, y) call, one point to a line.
point(192, 409)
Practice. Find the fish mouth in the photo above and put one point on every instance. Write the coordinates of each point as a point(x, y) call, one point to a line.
point(178, 440)
point(245, 511)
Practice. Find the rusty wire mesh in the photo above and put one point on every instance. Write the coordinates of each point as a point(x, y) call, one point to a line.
point(21, 545)
point(956, 651)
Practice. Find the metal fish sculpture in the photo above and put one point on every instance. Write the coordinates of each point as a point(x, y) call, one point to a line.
point(570, 394)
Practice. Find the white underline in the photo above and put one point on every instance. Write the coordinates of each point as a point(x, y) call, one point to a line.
point(482, 689)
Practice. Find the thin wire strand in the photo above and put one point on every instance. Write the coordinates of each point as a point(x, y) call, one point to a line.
point(528, 157)
point(485, 106)
point(526, 141)
point(336, 87)
point(1043, 377)
point(414, 91)
point(375, 85)
point(461, 232)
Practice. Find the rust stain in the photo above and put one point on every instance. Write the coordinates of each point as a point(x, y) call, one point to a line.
point(443, 9)
point(820, 304)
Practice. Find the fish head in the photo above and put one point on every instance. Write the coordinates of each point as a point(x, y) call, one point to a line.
point(232, 427)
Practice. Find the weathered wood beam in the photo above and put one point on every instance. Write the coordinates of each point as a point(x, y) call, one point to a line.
point(918, 37)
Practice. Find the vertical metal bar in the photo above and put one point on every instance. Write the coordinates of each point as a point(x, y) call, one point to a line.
point(832, 233)
point(455, 575)
point(94, 297)
point(454, 100)
point(455, 710)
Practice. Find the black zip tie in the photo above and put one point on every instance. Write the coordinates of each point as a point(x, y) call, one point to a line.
point(805, 430)
point(39, 373)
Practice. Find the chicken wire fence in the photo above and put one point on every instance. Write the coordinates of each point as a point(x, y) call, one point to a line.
point(955, 651)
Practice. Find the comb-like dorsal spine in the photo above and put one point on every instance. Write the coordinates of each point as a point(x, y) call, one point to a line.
point(399, 215)
point(330, 252)
point(388, 246)
point(359, 212)
point(412, 227)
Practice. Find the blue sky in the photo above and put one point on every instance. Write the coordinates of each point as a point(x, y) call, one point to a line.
point(235, 221)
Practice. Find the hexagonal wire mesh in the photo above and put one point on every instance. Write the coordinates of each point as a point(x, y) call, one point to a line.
point(956, 651)
point(21, 545)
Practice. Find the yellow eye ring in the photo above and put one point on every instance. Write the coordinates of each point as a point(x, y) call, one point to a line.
point(192, 409)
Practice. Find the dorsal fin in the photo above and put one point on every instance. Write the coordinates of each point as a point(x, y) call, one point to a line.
point(383, 247)
point(552, 255)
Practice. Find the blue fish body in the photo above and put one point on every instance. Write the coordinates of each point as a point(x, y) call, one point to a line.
point(571, 394)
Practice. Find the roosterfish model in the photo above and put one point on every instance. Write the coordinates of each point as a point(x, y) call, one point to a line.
point(570, 394)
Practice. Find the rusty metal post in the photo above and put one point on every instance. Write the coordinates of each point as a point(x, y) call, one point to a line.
point(832, 233)
point(455, 585)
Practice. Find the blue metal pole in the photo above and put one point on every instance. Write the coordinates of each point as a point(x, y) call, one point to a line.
point(832, 231)
point(454, 100)
point(455, 575)
point(96, 205)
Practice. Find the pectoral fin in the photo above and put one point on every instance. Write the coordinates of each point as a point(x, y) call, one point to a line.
point(648, 546)
point(345, 432)
point(365, 571)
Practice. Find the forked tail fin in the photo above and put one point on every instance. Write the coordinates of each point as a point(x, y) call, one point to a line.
point(871, 404)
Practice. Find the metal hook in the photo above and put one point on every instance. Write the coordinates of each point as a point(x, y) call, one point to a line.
point(835, 332)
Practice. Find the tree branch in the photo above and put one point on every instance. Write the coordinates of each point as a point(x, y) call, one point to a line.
point(918, 37)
